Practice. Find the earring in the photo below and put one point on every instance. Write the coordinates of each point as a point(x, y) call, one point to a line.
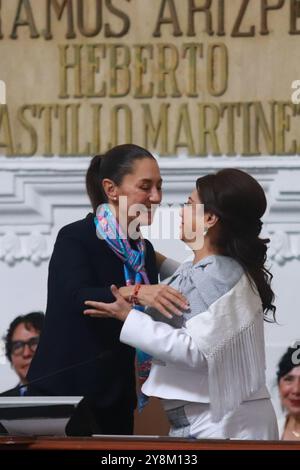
point(205, 231)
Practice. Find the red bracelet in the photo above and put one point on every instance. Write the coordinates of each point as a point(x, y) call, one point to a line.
point(133, 298)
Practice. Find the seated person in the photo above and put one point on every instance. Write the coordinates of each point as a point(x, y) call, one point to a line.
point(21, 341)
point(288, 379)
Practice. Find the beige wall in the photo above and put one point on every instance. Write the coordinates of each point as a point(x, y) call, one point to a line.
point(159, 73)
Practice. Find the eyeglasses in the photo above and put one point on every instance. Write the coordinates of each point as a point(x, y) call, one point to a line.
point(17, 347)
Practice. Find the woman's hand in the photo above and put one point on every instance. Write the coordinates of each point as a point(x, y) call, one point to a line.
point(165, 299)
point(118, 309)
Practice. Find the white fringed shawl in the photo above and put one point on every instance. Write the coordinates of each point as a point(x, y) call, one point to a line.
point(230, 334)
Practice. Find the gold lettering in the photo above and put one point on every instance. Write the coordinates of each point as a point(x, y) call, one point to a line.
point(295, 14)
point(153, 132)
point(205, 130)
point(85, 31)
point(221, 18)
point(230, 108)
point(265, 8)
point(268, 131)
point(192, 9)
point(283, 126)
point(59, 9)
point(212, 72)
point(236, 33)
point(75, 109)
point(246, 109)
point(93, 67)
point(29, 128)
point(184, 123)
point(7, 141)
point(172, 19)
point(165, 70)
point(47, 109)
point(192, 50)
point(62, 114)
point(141, 67)
point(115, 138)
point(120, 14)
point(63, 69)
point(119, 72)
point(27, 21)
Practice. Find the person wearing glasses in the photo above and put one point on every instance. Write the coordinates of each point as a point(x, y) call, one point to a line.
point(88, 359)
point(21, 342)
point(208, 365)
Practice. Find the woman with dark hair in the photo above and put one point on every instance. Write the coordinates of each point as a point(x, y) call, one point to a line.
point(77, 355)
point(209, 365)
point(288, 380)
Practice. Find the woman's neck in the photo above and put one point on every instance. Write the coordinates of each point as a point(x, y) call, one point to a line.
point(294, 423)
point(204, 252)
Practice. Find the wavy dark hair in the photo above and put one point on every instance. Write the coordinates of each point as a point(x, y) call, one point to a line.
point(114, 164)
point(239, 201)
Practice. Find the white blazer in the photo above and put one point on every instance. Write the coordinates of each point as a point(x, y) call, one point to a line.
point(179, 370)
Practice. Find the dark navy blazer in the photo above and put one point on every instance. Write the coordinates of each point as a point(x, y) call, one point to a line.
point(78, 355)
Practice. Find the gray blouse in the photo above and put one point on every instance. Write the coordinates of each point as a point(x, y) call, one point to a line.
point(202, 284)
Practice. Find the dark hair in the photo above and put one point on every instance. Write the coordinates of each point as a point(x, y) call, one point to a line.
point(239, 201)
point(33, 320)
point(286, 363)
point(114, 164)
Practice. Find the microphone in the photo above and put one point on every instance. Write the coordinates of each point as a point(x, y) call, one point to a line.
point(80, 416)
point(103, 355)
point(87, 417)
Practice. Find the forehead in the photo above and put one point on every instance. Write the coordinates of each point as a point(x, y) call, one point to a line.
point(146, 168)
point(295, 372)
point(23, 333)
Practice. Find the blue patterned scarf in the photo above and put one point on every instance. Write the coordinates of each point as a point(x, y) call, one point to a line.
point(109, 229)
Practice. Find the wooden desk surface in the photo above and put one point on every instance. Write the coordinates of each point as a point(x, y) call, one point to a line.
point(137, 443)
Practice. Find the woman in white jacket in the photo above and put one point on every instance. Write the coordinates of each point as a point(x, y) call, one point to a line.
point(209, 364)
